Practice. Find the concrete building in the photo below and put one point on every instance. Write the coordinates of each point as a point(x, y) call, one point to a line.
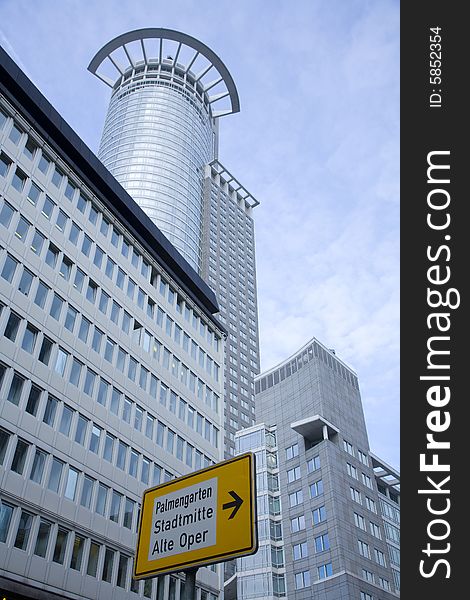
point(160, 141)
point(328, 508)
point(111, 376)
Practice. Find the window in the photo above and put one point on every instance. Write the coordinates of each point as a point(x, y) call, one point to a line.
point(16, 387)
point(352, 471)
point(80, 431)
point(84, 329)
point(375, 530)
point(115, 506)
point(101, 499)
point(44, 164)
point(37, 469)
point(93, 557)
point(91, 291)
point(379, 557)
point(370, 504)
point(293, 474)
point(71, 483)
point(60, 546)
point(77, 552)
point(297, 523)
point(19, 458)
point(23, 531)
point(364, 549)
point(87, 491)
point(302, 580)
point(366, 596)
point(18, 181)
point(322, 543)
point(121, 456)
point(295, 498)
point(129, 507)
point(49, 413)
point(42, 539)
point(25, 282)
point(61, 361)
point(57, 177)
point(55, 474)
point(9, 268)
point(316, 488)
point(46, 350)
point(66, 420)
point(359, 521)
point(79, 280)
point(97, 338)
point(348, 447)
point(5, 163)
point(108, 565)
point(33, 400)
point(122, 571)
point(6, 512)
point(325, 570)
point(319, 515)
point(48, 207)
point(355, 495)
point(12, 326)
point(56, 307)
point(70, 318)
point(292, 451)
point(300, 550)
point(108, 447)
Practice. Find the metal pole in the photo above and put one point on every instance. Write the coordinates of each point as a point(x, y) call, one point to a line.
point(190, 584)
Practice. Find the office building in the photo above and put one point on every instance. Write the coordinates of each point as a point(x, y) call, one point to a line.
point(328, 508)
point(160, 141)
point(111, 376)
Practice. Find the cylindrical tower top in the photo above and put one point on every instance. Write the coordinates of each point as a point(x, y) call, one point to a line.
point(181, 56)
point(160, 132)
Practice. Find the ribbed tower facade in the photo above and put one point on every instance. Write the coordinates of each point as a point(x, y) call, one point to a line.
point(160, 130)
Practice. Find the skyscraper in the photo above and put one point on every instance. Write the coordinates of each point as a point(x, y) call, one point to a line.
point(328, 509)
point(160, 141)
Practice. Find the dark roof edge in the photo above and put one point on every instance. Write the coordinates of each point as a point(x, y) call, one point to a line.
point(25, 96)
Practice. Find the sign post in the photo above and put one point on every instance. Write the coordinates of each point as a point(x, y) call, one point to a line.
point(199, 519)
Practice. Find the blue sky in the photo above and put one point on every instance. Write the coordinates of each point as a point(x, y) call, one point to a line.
point(316, 142)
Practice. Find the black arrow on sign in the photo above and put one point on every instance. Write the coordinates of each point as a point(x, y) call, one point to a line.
point(237, 502)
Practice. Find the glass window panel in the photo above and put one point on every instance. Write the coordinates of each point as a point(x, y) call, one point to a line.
point(23, 531)
point(60, 546)
point(77, 552)
point(19, 458)
point(42, 539)
point(93, 557)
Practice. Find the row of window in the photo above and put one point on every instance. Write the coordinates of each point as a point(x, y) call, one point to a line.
point(294, 474)
point(38, 536)
point(97, 295)
point(353, 472)
point(76, 426)
point(360, 522)
point(362, 456)
point(96, 218)
point(370, 577)
point(356, 495)
point(302, 579)
point(321, 543)
point(83, 377)
point(296, 498)
point(318, 516)
point(65, 480)
point(302, 359)
point(364, 550)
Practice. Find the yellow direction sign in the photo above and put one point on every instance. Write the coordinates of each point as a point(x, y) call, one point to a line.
point(206, 517)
